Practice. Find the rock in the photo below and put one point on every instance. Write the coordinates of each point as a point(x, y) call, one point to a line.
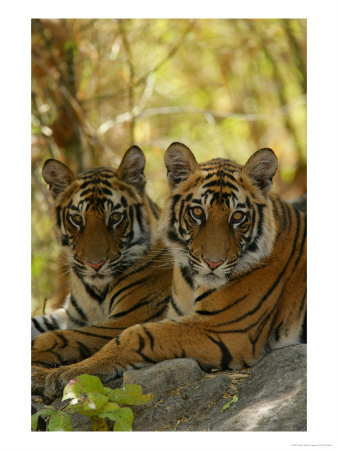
point(164, 376)
point(182, 404)
point(271, 396)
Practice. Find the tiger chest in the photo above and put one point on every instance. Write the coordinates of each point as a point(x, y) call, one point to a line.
point(182, 296)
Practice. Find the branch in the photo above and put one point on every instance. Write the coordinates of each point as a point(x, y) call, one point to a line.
point(210, 115)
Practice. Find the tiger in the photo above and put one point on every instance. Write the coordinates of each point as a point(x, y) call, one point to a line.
point(239, 276)
point(107, 226)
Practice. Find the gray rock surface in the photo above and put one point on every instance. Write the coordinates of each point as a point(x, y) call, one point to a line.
point(271, 396)
point(164, 376)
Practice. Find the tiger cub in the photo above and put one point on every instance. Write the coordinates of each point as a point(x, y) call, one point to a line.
point(107, 225)
point(239, 283)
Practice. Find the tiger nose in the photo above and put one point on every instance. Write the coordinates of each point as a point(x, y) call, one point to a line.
point(95, 265)
point(213, 264)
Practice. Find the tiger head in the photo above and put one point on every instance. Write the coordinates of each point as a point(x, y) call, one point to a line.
point(104, 219)
point(218, 221)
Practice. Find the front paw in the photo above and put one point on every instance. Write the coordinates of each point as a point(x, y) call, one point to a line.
point(49, 382)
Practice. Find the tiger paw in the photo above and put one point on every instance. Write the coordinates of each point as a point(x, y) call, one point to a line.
point(50, 382)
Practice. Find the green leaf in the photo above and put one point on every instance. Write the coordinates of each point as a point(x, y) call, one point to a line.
point(82, 385)
point(43, 412)
point(233, 400)
point(60, 421)
point(99, 424)
point(109, 407)
point(123, 418)
point(88, 404)
point(130, 394)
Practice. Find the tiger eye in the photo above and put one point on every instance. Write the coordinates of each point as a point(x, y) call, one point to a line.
point(197, 212)
point(115, 217)
point(237, 216)
point(76, 219)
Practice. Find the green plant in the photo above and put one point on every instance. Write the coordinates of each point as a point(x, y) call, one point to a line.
point(90, 398)
point(234, 399)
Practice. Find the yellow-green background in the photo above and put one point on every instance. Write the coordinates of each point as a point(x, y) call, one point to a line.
point(223, 87)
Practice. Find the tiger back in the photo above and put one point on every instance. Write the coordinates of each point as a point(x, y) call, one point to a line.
point(107, 227)
point(239, 280)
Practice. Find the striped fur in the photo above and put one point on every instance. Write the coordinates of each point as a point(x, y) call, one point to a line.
point(239, 283)
point(107, 226)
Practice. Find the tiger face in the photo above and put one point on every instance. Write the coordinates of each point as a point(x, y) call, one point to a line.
point(101, 216)
point(218, 222)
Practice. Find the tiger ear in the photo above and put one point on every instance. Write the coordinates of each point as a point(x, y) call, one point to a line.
point(180, 163)
point(261, 167)
point(131, 168)
point(57, 175)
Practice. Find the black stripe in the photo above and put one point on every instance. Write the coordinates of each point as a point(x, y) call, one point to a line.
point(85, 352)
point(124, 201)
point(58, 216)
point(303, 334)
point(60, 335)
point(96, 180)
point(263, 321)
point(276, 331)
point(176, 308)
point(106, 191)
point(50, 326)
point(142, 280)
point(55, 323)
point(77, 322)
point(225, 354)
point(98, 297)
point(186, 275)
point(138, 209)
point(284, 218)
point(154, 208)
point(205, 294)
point(77, 308)
point(37, 325)
point(303, 300)
point(101, 327)
point(127, 295)
point(150, 336)
point(222, 183)
point(217, 311)
point(133, 308)
point(88, 333)
point(156, 315)
point(141, 347)
point(253, 245)
point(173, 237)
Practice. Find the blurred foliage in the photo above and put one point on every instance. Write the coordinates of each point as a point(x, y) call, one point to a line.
point(223, 87)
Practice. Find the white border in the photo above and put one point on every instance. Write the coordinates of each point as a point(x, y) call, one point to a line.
point(322, 193)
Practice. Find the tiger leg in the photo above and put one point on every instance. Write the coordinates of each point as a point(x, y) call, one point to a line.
point(138, 346)
point(64, 347)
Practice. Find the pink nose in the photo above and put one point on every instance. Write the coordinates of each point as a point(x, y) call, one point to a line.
point(96, 266)
point(213, 264)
